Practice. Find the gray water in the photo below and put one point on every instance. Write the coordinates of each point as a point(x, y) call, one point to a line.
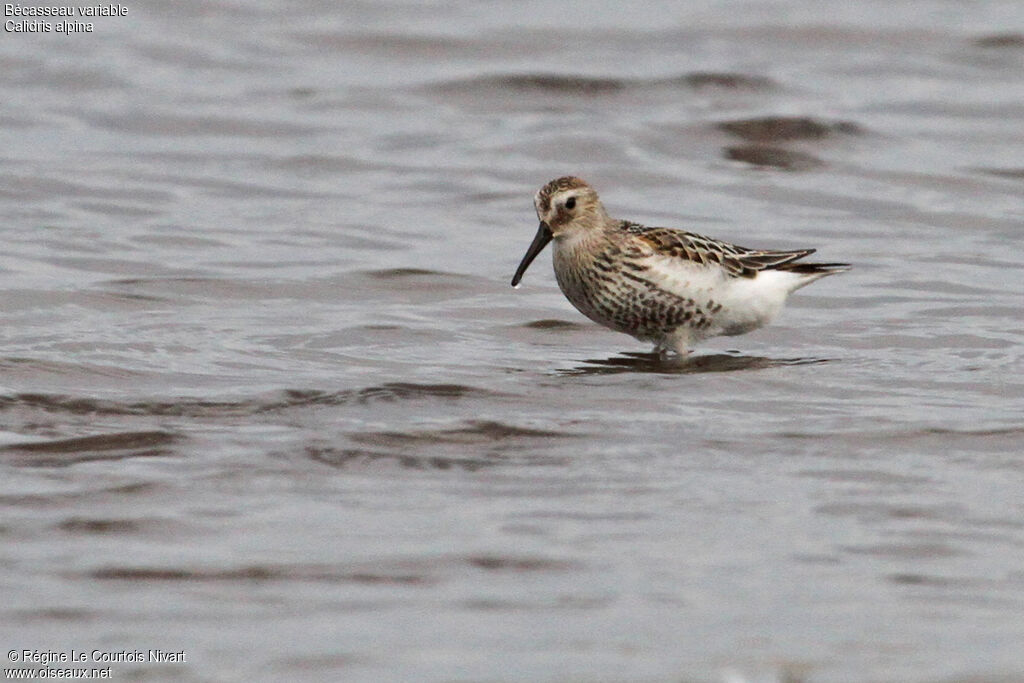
point(267, 398)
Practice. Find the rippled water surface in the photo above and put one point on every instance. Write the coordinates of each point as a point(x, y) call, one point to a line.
point(267, 397)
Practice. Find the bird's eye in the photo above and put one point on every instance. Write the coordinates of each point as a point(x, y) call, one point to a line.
point(570, 203)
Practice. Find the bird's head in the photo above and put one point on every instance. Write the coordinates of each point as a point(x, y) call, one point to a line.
point(565, 206)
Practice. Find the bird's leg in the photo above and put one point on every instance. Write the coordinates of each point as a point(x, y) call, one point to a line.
point(679, 342)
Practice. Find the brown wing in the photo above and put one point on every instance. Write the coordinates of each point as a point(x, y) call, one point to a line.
point(738, 261)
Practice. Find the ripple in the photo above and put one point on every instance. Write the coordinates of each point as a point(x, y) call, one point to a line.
point(864, 477)
point(1015, 173)
point(930, 439)
point(409, 285)
point(776, 157)
point(591, 86)
point(71, 451)
point(921, 579)
point(885, 511)
point(60, 499)
point(355, 458)
point(256, 573)
point(33, 367)
point(475, 432)
point(553, 324)
point(731, 81)
point(189, 407)
point(100, 526)
point(395, 273)
point(908, 550)
point(183, 125)
point(568, 92)
point(58, 614)
point(401, 572)
point(400, 46)
point(781, 128)
point(1001, 40)
point(574, 85)
point(518, 564)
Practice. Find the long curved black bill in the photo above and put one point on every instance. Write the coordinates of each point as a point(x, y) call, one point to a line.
point(540, 241)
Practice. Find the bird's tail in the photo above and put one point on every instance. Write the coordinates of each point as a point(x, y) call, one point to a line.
point(809, 272)
point(815, 268)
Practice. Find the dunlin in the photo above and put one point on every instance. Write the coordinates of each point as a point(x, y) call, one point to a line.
point(669, 287)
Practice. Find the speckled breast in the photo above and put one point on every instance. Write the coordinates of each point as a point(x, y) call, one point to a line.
point(613, 291)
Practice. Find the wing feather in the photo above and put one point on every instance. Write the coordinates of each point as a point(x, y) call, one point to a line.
point(736, 260)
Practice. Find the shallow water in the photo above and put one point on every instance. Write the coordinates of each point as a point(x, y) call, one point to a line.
point(267, 397)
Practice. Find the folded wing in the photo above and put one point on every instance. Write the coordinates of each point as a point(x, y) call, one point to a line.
point(736, 260)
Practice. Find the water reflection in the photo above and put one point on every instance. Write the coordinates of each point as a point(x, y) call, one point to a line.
point(674, 365)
